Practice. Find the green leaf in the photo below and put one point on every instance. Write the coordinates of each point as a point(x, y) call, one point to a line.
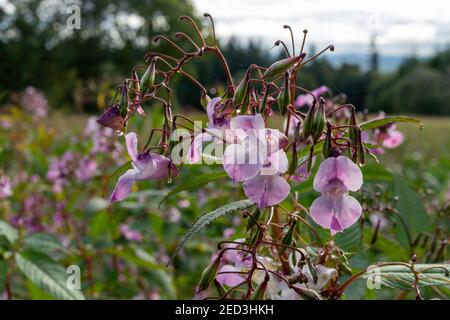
point(401, 277)
point(205, 219)
point(375, 123)
point(9, 232)
point(44, 243)
point(411, 210)
point(350, 239)
point(46, 274)
point(194, 184)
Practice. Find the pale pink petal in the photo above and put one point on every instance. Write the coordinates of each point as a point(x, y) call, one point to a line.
point(153, 166)
point(276, 163)
point(326, 173)
point(248, 122)
point(349, 173)
point(123, 186)
point(140, 110)
point(266, 191)
point(335, 213)
point(132, 142)
point(229, 279)
point(241, 162)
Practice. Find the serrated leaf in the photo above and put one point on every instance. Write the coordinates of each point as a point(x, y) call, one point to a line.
point(46, 274)
point(44, 243)
point(401, 277)
point(194, 183)
point(350, 239)
point(8, 231)
point(375, 123)
point(207, 218)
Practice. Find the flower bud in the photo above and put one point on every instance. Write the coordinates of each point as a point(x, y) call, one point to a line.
point(260, 291)
point(284, 97)
point(242, 89)
point(208, 275)
point(356, 139)
point(111, 118)
point(327, 149)
point(148, 78)
point(279, 67)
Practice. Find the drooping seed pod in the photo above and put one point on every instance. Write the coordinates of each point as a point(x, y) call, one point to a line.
point(208, 275)
point(148, 78)
point(319, 121)
point(284, 97)
point(241, 91)
point(263, 102)
point(256, 214)
point(281, 66)
point(308, 123)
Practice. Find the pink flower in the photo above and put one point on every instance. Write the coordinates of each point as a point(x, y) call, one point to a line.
point(112, 118)
point(35, 102)
point(257, 159)
point(5, 187)
point(335, 209)
point(146, 166)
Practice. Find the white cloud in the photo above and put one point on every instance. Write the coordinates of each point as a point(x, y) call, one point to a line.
point(399, 24)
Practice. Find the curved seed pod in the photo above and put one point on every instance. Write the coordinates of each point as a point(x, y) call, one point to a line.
point(204, 100)
point(281, 66)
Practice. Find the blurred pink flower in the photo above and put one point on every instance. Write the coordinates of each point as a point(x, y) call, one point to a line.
point(35, 102)
point(86, 169)
point(5, 187)
point(307, 99)
point(129, 234)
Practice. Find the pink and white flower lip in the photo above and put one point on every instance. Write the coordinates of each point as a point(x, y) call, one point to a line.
point(335, 209)
point(129, 234)
point(146, 166)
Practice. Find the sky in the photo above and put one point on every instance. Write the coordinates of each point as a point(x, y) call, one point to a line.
point(401, 27)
